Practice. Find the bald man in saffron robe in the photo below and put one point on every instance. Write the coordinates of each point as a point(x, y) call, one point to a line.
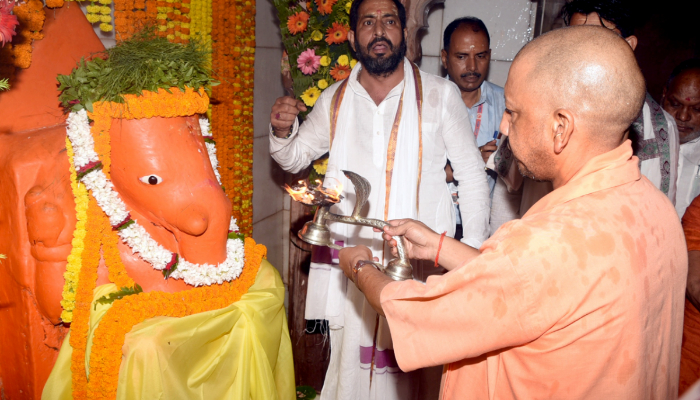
point(583, 297)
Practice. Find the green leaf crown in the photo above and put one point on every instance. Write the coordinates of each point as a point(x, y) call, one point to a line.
point(144, 62)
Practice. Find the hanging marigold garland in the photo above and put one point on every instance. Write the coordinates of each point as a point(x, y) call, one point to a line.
point(233, 45)
point(130, 16)
point(80, 194)
point(18, 54)
point(200, 24)
point(173, 20)
point(83, 299)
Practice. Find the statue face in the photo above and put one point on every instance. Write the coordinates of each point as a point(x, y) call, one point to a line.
point(161, 169)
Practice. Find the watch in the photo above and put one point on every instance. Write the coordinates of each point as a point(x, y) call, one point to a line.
point(359, 265)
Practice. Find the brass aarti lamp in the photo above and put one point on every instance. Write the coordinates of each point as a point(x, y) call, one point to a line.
point(317, 233)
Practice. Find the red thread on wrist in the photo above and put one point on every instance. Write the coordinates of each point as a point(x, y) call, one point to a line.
point(437, 256)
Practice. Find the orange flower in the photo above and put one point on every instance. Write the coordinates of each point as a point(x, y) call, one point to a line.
point(337, 33)
point(297, 22)
point(340, 72)
point(325, 7)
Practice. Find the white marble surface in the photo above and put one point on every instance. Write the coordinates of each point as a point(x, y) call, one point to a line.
point(431, 64)
point(268, 179)
point(432, 39)
point(270, 206)
point(267, 31)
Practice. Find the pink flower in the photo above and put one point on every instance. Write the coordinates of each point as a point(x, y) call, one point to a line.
point(7, 22)
point(308, 62)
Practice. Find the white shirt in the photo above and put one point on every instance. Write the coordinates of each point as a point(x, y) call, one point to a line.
point(446, 134)
point(688, 186)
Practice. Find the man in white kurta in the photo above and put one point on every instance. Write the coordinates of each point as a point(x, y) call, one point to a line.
point(360, 341)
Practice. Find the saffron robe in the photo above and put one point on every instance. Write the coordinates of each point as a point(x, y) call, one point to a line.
point(582, 298)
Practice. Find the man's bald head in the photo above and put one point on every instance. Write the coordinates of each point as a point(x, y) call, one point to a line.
point(579, 89)
point(590, 71)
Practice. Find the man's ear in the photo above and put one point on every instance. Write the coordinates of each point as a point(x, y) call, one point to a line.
point(443, 57)
point(562, 129)
point(351, 40)
point(632, 41)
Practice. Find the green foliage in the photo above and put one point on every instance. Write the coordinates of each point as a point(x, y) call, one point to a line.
point(306, 393)
point(145, 62)
point(4, 84)
point(298, 43)
point(123, 292)
point(236, 235)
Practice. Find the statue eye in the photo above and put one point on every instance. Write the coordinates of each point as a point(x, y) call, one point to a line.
point(151, 179)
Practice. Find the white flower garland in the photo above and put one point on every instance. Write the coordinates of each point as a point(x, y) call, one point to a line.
point(211, 146)
point(133, 234)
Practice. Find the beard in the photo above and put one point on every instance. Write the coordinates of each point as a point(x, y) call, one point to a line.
point(385, 64)
point(524, 171)
point(540, 167)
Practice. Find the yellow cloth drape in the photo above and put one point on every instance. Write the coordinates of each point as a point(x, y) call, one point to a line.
point(242, 351)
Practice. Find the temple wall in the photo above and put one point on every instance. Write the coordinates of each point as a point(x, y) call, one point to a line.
point(270, 204)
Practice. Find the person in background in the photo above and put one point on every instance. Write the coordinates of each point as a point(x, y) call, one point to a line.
point(681, 99)
point(466, 55)
point(654, 134)
point(396, 126)
point(579, 299)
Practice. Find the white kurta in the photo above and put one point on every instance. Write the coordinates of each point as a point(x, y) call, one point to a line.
point(446, 133)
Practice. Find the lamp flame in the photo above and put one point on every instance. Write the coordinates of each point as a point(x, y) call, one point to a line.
point(314, 194)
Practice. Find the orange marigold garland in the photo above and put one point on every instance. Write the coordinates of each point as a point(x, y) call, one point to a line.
point(233, 45)
point(131, 310)
point(18, 54)
point(130, 16)
point(173, 20)
point(83, 299)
